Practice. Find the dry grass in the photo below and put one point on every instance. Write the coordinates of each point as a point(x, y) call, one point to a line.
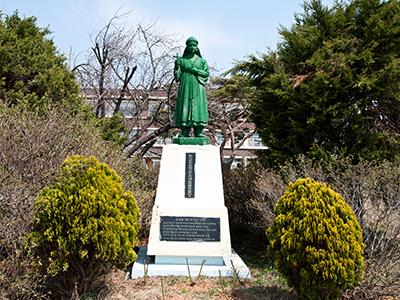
point(264, 284)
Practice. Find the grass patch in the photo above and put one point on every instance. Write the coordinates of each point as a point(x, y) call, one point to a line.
point(265, 283)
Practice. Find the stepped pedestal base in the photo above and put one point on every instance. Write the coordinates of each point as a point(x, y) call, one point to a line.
point(232, 266)
point(190, 223)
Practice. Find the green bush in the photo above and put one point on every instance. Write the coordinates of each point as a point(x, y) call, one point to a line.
point(85, 223)
point(33, 73)
point(316, 240)
point(33, 145)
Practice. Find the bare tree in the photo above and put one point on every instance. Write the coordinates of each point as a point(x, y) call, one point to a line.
point(123, 71)
point(108, 67)
point(228, 105)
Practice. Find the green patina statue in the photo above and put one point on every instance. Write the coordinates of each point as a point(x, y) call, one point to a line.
point(191, 71)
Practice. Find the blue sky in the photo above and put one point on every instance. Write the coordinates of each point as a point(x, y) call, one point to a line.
point(227, 30)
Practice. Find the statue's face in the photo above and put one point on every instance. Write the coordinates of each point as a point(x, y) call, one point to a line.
point(192, 47)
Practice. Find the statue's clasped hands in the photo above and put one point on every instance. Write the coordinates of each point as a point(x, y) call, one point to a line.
point(195, 71)
point(192, 68)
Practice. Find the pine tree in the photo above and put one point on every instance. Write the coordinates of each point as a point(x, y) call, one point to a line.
point(333, 84)
point(32, 72)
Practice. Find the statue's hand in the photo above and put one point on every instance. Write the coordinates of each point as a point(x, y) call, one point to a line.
point(202, 73)
point(177, 61)
point(195, 71)
point(199, 72)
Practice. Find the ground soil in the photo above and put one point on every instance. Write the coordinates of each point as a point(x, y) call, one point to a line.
point(183, 288)
point(265, 283)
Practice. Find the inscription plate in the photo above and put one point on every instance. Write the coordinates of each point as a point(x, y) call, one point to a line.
point(189, 175)
point(190, 229)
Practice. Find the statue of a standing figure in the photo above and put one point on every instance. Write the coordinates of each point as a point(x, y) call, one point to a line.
point(191, 71)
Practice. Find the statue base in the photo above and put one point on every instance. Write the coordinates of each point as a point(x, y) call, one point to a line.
point(190, 224)
point(191, 140)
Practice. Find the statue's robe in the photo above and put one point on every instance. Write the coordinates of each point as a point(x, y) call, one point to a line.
point(191, 101)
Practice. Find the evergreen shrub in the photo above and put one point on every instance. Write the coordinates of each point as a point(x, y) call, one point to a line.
point(316, 240)
point(85, 223)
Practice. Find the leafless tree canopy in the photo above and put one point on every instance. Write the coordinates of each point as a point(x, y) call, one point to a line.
point(228, 106)
point(123, 68)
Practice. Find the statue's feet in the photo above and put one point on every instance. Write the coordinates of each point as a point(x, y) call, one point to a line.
point(184, 132)
point(198, 131)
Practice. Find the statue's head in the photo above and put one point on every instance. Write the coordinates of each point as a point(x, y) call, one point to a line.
point(192, 41)
point(191, 47)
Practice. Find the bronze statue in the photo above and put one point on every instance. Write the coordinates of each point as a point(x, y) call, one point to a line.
point(191, 71)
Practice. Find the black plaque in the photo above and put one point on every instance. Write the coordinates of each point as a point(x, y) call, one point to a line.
point(190, 229)
point(189, 175)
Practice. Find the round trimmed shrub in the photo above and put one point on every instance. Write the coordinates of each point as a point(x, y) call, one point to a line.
point(85, 223)
point(316, 240)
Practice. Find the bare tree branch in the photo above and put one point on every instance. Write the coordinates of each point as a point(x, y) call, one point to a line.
point(124, 71)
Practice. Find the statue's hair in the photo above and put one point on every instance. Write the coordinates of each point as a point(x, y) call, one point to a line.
point(186, 52)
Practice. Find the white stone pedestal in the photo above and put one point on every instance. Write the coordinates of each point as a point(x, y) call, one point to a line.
point(190, 223)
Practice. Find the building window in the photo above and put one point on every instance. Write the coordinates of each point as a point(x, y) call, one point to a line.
point(128, 108)
point(238, 162)
point(154, 105)
point(133, 133)
point(156, 163)
point(255, 140)
point(161, 140)
point(220, 137)
point(109, 112)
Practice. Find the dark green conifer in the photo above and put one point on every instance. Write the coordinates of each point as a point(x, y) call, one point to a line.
point(32, 72)
point(333, 83)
